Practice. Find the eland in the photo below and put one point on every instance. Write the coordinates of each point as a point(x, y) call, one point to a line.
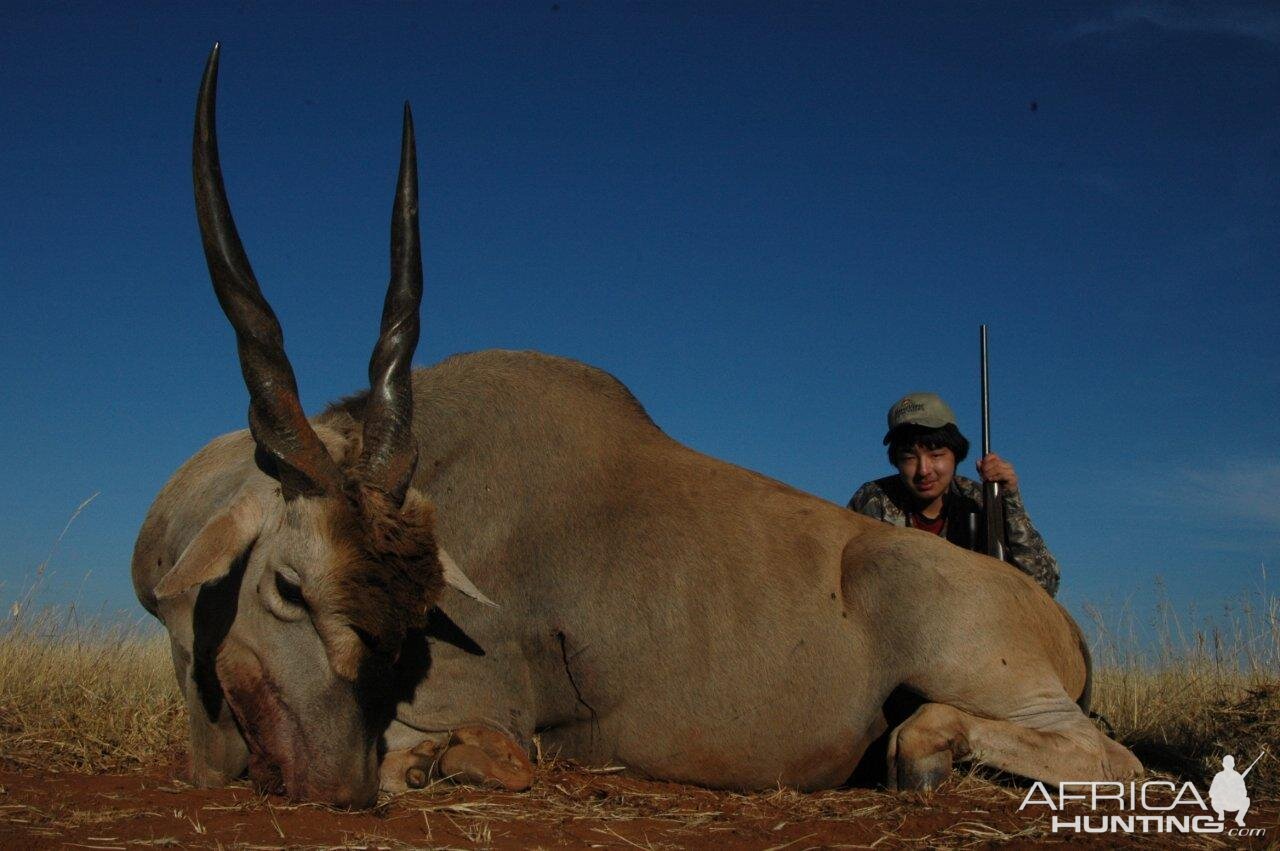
point(655, 607)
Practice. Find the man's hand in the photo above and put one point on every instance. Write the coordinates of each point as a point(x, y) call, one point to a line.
point(993, 468)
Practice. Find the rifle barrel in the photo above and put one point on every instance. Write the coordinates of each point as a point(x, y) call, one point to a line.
point(986, 407)
point(993, 507)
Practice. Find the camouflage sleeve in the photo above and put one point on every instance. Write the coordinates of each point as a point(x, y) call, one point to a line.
point(1027, 550)
point(862, 500)
point(871, 500)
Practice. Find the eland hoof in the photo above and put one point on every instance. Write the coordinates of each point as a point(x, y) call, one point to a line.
point(408, 769)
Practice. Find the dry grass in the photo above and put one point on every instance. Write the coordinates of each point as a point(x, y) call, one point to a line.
point(91, 696)
point(1198, 691)
point(88, 698)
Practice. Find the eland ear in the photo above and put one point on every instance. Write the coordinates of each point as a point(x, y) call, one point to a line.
point(456, 579)
point(215, 548)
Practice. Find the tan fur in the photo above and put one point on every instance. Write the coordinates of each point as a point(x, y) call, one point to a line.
point(679, 614)
point(690, 619)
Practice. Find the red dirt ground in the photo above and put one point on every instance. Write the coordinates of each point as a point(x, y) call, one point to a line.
point(568, 808)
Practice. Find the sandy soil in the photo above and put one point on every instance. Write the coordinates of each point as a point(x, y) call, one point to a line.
point(568, 808)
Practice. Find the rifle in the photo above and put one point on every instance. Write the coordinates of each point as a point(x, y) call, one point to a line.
point(1252, 764)
point(992, 501)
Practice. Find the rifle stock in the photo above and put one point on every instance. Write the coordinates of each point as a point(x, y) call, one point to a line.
point(993, 517)
point(993, 538)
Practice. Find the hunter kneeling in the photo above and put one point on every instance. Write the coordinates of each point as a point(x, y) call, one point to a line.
point(925, 446)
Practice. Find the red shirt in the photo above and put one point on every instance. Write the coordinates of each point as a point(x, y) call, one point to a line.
point(934, 525)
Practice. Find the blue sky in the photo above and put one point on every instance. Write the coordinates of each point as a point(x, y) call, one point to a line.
point(769, 220)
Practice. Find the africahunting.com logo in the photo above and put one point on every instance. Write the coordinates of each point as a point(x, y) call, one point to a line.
point(1153, 806)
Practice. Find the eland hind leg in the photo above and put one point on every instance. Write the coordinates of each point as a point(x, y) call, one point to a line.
point(1055, 744)
point(997, 661)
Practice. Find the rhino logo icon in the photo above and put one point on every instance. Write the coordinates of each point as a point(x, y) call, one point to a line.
point(1227, 792)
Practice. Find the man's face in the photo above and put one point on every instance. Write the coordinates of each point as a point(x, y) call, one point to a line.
point(927, 473)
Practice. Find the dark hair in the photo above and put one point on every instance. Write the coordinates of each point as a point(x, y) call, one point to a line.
point(907, 435)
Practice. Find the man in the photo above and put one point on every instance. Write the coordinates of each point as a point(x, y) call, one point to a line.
point(925, 445)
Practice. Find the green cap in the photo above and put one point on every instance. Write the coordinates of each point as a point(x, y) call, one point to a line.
point(922, 409)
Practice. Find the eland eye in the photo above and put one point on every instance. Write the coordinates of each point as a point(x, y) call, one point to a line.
point(290, 592)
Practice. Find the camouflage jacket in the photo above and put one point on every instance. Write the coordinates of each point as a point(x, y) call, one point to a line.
point(886, 499)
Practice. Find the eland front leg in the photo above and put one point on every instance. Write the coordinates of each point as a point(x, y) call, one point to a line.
point(473, 754)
